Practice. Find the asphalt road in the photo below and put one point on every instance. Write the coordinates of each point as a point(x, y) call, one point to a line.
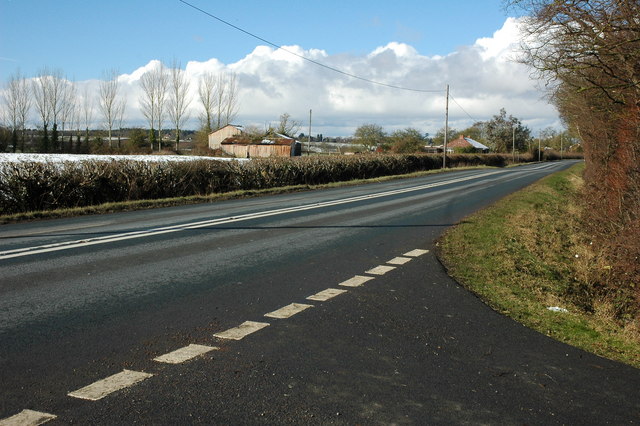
point(93, 309)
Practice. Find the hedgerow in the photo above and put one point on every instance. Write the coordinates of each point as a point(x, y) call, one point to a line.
point(32, 186)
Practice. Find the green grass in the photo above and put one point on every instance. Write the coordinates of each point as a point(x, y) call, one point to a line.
point(526, 253)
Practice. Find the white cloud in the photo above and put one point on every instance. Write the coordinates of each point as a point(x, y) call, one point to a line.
point(483, 78)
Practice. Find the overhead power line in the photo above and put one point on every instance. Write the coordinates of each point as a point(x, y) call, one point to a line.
point(463, 110)
point(320, 64)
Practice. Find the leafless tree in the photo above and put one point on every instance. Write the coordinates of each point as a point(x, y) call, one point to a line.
point(231, 98)
point(179, 99)
point(206, 92)
point(41, 96)
point(87, 113)
point(109, 100)
point(154, 87)
point(120, 109)
point(287, 126)
point(219, 98)
point(18, 104)
point(68, 108)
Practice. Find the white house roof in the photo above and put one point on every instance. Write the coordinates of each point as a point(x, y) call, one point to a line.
point(476, 144)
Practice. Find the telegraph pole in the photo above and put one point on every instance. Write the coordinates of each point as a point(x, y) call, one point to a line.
point(309, 137)
point(446, 130)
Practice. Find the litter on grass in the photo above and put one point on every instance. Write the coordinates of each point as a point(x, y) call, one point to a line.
point(557, 309)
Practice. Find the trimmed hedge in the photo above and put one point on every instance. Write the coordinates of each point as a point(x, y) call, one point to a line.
point(31, 186)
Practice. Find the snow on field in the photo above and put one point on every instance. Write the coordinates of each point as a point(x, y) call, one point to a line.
point(60, 158)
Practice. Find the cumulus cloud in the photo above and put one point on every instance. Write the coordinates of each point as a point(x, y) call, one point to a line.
point(483, 78)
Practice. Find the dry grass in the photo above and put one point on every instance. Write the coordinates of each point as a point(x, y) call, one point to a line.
point(528, 253)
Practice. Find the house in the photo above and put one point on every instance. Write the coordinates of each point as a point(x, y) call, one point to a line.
point(466, 145)
point(230, 130)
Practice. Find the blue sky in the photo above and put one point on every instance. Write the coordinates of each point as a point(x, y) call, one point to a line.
point(85, 37)
point(427, 44)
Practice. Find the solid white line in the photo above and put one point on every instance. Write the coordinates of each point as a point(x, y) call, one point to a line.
point(184, 354)
point(288, 311)
point(356, 281)
point(241, 331)
point(327, 294)
point(399, 260)
point(416, 253)
point(27, 418)
point(380, 270)
point(26, 251)
point(104, 387)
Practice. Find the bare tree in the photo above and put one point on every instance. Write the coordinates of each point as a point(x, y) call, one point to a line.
point(68, 108)
point(87, 114)
point(154, 87)
point(163, 85)
point(120, 109)
point(206, 91)
point(231, 98)
point(287, 126)
point(109, 100)
point(18, 102)
point(41, 98)
point(179, 99)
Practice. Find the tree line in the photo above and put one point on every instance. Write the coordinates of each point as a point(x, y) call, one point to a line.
point(502, 134)
point(165, 96)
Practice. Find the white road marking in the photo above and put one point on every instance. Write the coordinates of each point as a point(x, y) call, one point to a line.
point(184, 354)
point(27, 418)
point(242, 330)
point(27, 251)
point(356, 281)
point(104, 387)
point(288, 311)
point(380, 270)
point(327, 294)
point(399, 260)
point(416, 253)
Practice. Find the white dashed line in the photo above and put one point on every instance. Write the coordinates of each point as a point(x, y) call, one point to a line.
point(242, 330)
point(184, 354)
point(416, 253)
point(356, 281)
point(27, 418)
point(104, 387)
point(288, 311)
point(380, 270)
point(399, 260)
point(327, 294)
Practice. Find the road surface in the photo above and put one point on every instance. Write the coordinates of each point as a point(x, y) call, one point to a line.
point(323, 307)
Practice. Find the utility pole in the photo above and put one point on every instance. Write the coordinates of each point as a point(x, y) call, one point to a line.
point(446, 130)
point(561, 140)
point(514, 143)
point(539, 139)
point(309, 137)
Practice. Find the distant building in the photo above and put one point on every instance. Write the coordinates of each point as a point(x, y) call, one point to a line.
point(463, 143)
point(230, 130)
point(232, 140)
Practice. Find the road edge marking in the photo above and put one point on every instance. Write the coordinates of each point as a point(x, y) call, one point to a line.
point(27, 418)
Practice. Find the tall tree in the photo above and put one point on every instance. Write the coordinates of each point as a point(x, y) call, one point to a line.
point(109, 100)
point(502, 130)
point(370, 136)
point(207, 95)
point(154, 88)
point(18, 102)
point(41, 90)
point(87, 115)
point(68, 109)
point(179, 99)
point(407, 141)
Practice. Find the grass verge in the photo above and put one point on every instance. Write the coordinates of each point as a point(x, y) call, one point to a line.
point(526, 254)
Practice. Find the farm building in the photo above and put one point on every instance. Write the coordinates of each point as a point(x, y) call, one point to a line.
point(234, 141)
point(230, 130)
point(463, 143)
point(279, 146)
